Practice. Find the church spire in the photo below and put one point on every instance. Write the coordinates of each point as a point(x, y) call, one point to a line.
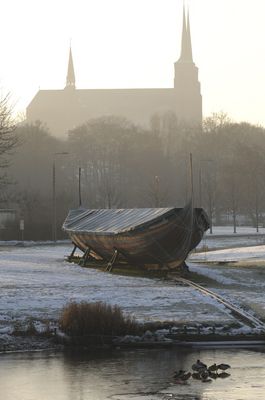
point(70, 78)
point(186, 83)
point(186, 49)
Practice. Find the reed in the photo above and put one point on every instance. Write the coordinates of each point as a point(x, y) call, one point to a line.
point(89, 319)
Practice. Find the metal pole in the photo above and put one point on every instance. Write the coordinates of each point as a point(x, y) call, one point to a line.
point(186, 180)
point(191, 178)
point(257, 205)
point(79, 186)
point(54, 225)
point(234, 201)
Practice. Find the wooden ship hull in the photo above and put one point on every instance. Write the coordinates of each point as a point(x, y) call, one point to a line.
point(150, 236)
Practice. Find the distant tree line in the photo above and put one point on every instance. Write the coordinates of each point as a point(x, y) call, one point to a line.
point(124, 165)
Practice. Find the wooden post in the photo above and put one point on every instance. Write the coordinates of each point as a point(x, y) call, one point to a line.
point(73, 252)
point(85, 257)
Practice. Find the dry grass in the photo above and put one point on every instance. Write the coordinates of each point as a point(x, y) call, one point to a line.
point(92, 319)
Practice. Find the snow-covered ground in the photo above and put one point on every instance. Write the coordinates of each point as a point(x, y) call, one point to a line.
point(225, 242)
point(37, 282)
point(231, 254)
point(240, 230)
point(224, 237)
point(243, 283)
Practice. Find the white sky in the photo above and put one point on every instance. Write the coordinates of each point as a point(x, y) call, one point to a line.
point(134, 43)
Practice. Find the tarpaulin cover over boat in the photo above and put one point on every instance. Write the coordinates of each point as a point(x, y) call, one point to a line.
point(140, 235)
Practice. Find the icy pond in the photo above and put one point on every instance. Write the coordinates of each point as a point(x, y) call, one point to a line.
point(129, 375)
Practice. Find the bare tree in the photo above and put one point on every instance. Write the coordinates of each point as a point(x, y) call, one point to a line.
point(8, 138)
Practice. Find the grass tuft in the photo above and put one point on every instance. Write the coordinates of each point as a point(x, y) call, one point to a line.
point(93, 319)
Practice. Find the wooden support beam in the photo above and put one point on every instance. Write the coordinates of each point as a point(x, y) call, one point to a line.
point(72, 254)
point(85, 257)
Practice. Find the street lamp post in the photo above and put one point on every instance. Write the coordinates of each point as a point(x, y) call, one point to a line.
point(191, 181)
point(79, 187)
point(54, 221)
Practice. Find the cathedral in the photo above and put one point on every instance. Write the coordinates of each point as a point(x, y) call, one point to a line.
point(65, 109)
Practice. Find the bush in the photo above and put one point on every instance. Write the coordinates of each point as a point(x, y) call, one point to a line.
point(93, 319)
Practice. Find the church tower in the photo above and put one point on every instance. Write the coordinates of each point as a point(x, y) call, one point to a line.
point(63, 109)
point(186, 84)
point(70, 78)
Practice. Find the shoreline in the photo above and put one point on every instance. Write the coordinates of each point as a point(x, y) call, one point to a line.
point(62, 344)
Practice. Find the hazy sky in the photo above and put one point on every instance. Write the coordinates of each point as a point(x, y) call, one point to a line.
point(134, 43)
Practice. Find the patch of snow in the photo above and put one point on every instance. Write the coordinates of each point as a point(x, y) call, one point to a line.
point(230, 255)
point(213, 273)
point(240, 230)
point(210, 242)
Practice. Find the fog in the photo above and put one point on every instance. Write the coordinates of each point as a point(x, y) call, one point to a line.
point(132, 145)
point(126, 166)
point(133, 44)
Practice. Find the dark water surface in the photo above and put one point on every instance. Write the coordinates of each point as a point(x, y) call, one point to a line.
point(128, 375)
